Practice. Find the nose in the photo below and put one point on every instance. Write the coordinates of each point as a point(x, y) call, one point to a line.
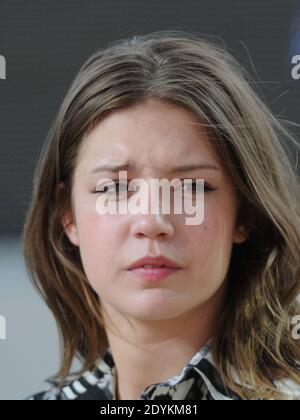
point(152, 224)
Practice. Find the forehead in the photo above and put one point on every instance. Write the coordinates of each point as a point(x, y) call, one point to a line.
point(154, 133)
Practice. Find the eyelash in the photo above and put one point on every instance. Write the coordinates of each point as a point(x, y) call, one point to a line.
point(206, 187)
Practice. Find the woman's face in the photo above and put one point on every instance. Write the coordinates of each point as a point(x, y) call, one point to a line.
point(156, 136)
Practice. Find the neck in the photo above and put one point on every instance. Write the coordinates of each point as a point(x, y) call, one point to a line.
point(149, 352)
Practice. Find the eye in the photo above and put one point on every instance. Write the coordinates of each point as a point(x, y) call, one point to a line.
point(116, 187)
point(193, 185)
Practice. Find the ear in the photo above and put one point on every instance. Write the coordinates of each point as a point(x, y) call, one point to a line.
point(240, 234)
point(245, 220)
point(70, 228)
point(68, 221)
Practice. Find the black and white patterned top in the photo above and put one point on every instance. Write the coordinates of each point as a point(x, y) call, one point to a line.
point(199, 380)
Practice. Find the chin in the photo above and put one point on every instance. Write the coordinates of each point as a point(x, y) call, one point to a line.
point(151, 317)
point(151, 308)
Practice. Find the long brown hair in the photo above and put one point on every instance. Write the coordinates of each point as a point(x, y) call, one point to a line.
point(254, 331)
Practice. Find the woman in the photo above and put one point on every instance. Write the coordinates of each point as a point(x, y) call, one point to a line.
point(216, 321)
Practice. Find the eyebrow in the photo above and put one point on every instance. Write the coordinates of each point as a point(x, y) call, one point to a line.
point(127, 166)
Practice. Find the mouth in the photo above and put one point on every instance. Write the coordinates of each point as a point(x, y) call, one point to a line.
point(154, 262)
point(154, 273)
point(154, 268)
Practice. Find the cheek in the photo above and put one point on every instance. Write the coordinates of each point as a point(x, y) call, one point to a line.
point(99, 236)
point(95, 230)
point(211, 242)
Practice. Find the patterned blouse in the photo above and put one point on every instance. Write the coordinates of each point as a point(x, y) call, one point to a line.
point(199, 380)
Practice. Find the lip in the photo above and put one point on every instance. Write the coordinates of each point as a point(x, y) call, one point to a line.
point(160, 260)
point(154, 274)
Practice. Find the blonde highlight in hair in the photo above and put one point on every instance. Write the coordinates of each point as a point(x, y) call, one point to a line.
point(253, 340)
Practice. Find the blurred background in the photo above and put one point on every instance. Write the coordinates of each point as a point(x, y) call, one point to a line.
point(44, 44)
